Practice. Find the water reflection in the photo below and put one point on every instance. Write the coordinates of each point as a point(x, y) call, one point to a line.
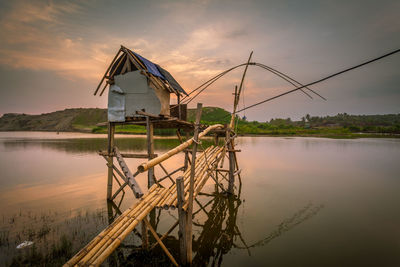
point(219, 231)
point(299, 217)
point(52, 192)
point(216, 233)
point(88, 145)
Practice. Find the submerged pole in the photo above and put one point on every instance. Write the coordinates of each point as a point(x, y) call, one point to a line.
point(231, 154)
point(150, 150)
point(191, 185)
point(180, 191)
point(110, 148)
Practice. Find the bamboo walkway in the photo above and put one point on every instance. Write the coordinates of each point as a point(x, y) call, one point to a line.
point(94, 253)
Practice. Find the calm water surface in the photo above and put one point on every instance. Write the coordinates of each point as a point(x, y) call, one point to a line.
point(303, 202)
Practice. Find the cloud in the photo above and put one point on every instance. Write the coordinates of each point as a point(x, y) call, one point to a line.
point(41, 37)
point(35, 40)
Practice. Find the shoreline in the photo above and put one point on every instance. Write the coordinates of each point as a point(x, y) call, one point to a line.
point(330, 136)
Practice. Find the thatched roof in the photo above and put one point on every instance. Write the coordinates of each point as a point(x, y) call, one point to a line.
point(126, 61)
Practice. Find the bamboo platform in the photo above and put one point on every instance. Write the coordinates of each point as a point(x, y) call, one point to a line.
point(94, 253)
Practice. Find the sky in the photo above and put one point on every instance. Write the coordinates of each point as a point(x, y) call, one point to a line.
point(54, 53)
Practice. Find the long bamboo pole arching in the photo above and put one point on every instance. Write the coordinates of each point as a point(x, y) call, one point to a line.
point(151, 163)
point(237, 96)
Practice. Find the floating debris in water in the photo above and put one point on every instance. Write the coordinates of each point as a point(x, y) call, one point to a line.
point(25, 244)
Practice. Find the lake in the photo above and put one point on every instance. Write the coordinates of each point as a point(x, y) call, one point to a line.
point(302, 202)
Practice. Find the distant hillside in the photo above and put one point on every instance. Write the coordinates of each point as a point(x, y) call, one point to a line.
point(338, 126)
point(210, 114)
point(85, 119)
point(75, 119)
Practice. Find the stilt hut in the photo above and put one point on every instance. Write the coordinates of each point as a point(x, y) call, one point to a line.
point(138, 86)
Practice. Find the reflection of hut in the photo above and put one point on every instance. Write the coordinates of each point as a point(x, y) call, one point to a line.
point(138, 85)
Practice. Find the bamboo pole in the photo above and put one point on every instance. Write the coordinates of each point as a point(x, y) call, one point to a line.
point(124, 219)
point(145, 236)
point(108, 69)
point(166, 234)
point(199, 165)
point(99, 237)
point(172, 188)
point(151, 163)
point(150, 150)
point(191, 185)
point(166, 172)
point(173, 195)
point(110, 146)
point(124, 57)
point(235, 103)
point(123, 235)
point(182, 221)
point(160, 242)
point(202, 181)
point(238, 92)
point(231, 162)
point(116, 230)
point(198, 173)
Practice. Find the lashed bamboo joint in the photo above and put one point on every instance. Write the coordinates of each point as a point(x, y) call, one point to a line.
point(151, 163)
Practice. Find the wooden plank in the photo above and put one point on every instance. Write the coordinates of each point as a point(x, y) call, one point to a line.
point(131, 179)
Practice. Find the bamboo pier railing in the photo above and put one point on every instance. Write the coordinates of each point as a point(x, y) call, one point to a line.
point(94, 253)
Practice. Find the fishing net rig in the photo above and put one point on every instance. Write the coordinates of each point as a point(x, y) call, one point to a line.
point(304, 88)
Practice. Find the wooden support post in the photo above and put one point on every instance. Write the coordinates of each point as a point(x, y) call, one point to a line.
point(110, 212)
point(179, 107)
point(150, 150)
point(216, 139)
point(145, 237)
point(110, 146)
point(191, 184)
point(185, 164)
point(231, 162)
point(178, 134)
point(182, 220)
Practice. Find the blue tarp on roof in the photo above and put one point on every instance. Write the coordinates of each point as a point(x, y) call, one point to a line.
point(171, 80)
point(151, 67)
point(156, 70)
